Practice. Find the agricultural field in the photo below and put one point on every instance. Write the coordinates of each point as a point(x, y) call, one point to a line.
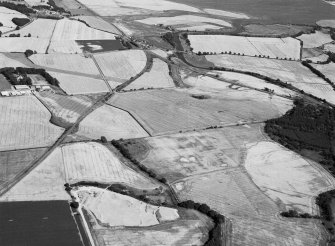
point(76, 85)
point(25, 124)
point(287, 71)
point(39, 223)
point(329, 47)
point(14, 162)
point(75, 63)
point(6, 61)
point(98, 23)
point(185, 154)
point(67, 29)
point(126, 7)
point(122, 210)
point(65, 109)
point(282, 48)
point(121, 64)
point(327, 69)
point(229, 79)
point(229, 14)
point(288, 179)
point(64, 46)
point(37, 2)
point(326, 23)
point(314, 40)
point(95, 162)
point(186, 22)
point(274, 30)
point(39, 28)
point(174, 110)
point(157, 77)
point(317, 59)
point(4, 83)
point(45, 182)
point(21, 44)
point(6, 16)
point(111, 122)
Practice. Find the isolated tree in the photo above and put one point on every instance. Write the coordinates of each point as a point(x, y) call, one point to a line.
point(28, 53)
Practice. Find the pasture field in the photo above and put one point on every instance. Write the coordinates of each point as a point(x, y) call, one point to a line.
point(6, 16)
point(173, 110)
point(65, 109)
point(21, 44)
point(160, 52)
point(121, 64)
point(45, 182)
point(326, 23)
point(251, 46)
point(14, 162)
point(39, 28)
point(4, 83)
point(75, 84)
point(122, 210)
point(37, 2)
point(310, 53)
point(95, 162)
point(184, 20)
point(327, 69)
point(111, 122)
point(316, 59)
point(98, 23)
point(6, 61)
point(287, 71)
point(226, 13)
point(157, 77)
point(67, 29)
point(314, 40)
point(127, 7)
point(185, 154)
point(66, 62)
point(37, 79)
point(38, 223)
point(25, 124)
point(284, 176)
point(274, 29)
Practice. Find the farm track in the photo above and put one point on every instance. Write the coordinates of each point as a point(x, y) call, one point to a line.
point(101, 73)
point(59, 141)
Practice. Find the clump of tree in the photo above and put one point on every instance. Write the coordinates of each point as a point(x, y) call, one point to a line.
point(13, 35)
point(294, 214)
point(20, 21)
point(56, 8)
point(215, 235)
point(28, 53)
point(324, 201)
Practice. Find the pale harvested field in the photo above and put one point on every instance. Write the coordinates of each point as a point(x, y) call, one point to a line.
point(199, 28)
point(9, 62)
point(98, 23)
point(226, 13)
point(75, 30)
point(326, 23)
point(287, 71)
point(121, 64)
point(160, 52)
point(191, 20)
point(66, 108)
point(133, 7)
point(327, 69)
point(179, 233)
point(314, 40)
point(6, 16)
point(39, 28)
point(67, 62)
point(22, 44)
point(329, 47)
point(95, 162)
point(184, 154)
point(113, 209)
point(288, 179)
point(112, 123)
point(65, 46)
point(251, 46)
point(37, 2)
point(172, 110)
point(157, 77)
point(14, 162)
point(74, 84)
point(45, 182)
point(25, 124)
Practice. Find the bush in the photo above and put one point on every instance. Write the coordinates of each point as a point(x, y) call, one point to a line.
point(103, 139)
point(74, 205)
point(20, 21)
point(28, 53)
